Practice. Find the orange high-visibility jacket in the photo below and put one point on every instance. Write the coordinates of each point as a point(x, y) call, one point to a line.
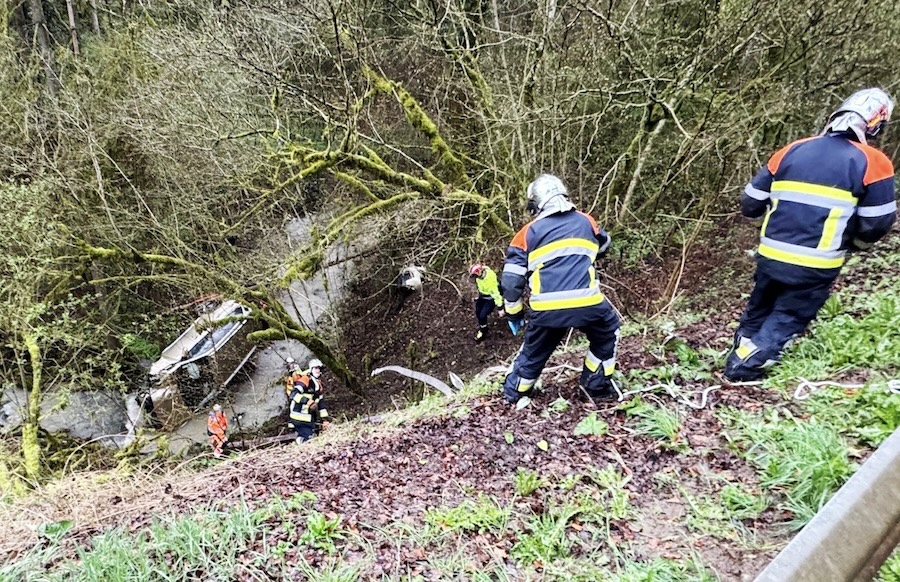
point(217, 423)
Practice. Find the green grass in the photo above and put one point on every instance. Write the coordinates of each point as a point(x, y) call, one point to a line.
point(659, 422)
point(480, 515)
point(890, 571)
point(854, 331)
point(804, 461)
point(527, 481)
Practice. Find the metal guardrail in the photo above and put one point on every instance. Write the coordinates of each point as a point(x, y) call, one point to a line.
point(854, 533)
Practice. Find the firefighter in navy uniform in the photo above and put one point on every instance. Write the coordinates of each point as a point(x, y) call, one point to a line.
point(307, 403)
point(820, 198)
point(554, 255)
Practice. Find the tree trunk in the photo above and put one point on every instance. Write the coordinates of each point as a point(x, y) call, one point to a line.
point(44, 49)
point(31, 447)
point(95, 20)
point(73, 29)
point(18, 21)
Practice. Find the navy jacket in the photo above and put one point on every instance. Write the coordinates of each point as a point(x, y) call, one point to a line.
point(820, 197)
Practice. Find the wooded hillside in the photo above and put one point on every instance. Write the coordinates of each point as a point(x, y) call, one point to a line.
point(148, 149)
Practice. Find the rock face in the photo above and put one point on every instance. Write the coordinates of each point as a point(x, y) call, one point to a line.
point(85, 415)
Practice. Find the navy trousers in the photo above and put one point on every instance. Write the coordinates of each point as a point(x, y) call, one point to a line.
point(776, 312)
point(483, 307)
point(540, 342)
point(305, 430)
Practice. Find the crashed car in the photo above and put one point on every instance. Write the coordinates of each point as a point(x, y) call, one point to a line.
point(196, 367)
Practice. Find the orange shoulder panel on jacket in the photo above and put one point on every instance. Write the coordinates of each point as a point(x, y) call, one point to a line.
point(878, 165)
point(518, 241)
point(775, 160)
point(593, 222)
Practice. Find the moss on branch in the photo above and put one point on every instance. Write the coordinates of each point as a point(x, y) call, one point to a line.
point(419, 119)
point(312, 255)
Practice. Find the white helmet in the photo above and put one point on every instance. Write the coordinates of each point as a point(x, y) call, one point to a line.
point(217, 408)
point(289, 360)
point(316, 363)
point(865, 113)
point(548, 193)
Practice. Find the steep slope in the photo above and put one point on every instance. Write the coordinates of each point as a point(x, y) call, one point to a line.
point(687, 478)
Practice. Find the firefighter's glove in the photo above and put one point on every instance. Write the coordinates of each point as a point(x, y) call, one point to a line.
point(516, 324)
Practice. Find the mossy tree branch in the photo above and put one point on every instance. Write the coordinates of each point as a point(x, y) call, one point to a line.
point(31, 447)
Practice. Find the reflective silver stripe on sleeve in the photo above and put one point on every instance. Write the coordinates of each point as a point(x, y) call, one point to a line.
point(876, 211)
point(755, 193)
point(514, 269)
point(606, 244)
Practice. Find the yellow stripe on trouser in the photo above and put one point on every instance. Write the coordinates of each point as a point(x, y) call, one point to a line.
point(746, 348)
point(609, 366)
point(525, 384)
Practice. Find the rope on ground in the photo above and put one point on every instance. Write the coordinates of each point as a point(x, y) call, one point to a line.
point(671, 389)
point(805, 388)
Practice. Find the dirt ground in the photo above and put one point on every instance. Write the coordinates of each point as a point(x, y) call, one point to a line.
point(433, 332)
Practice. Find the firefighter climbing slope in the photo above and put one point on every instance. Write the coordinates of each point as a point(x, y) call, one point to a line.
point(307, 403)
point(554, 254)
point(820, 197)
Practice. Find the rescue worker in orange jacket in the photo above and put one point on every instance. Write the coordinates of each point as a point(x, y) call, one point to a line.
point(554, 255)
point(292, 374)
point(307, 403)
point(489, 296)
point(821, 197)
point(216, 427)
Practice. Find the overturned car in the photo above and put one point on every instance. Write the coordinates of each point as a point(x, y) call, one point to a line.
point(196, 367)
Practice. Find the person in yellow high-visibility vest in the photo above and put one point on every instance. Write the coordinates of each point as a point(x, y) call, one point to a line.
point(489, 296)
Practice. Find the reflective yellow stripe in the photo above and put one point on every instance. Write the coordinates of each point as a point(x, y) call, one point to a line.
point(798, 259)
point(814, 189)
point(525, 384)
point(323, 413)
point(591, 362)
point(608, 370)
point(561, 244)
point(546, 305)
point(514, 308)
point(830, 229)
point(299, 417)
point(536, 280)
point(762, 231)
point(744, 352)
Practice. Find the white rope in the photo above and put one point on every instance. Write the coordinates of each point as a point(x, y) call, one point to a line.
point(805, 388)
point(670, 389)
